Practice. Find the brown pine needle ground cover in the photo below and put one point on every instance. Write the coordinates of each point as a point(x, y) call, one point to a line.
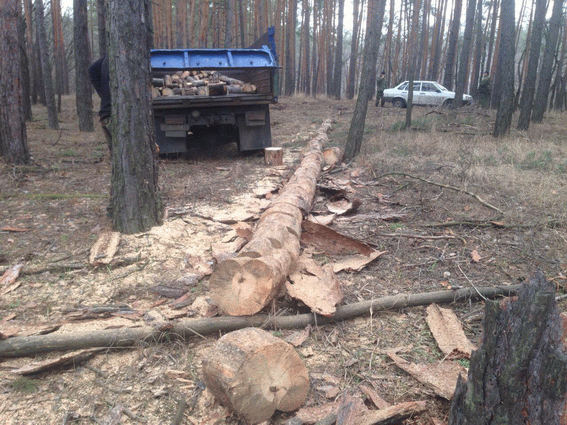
point(53, 211)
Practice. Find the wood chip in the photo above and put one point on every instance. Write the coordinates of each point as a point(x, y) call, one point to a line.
point(318, 287)
point(448, 332)
point(441, 377)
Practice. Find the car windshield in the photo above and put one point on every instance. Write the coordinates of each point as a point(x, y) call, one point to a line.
point(441, 87)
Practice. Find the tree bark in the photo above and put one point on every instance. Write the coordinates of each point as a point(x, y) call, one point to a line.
point(527, 98)
point(338, 67)
point(374, 29)
point(452, 48)
point(463, 71)
point(542, 94)
point(353, 50)
point(246, 284)
point(25, 67)
point(136, 203)
point(186, 328)
point(254, 374)
point(519, 373)
point(13, 136)
point(101, 22)
point(45, 66)
point(83, 87)
point(506, 70)
point(290, 48)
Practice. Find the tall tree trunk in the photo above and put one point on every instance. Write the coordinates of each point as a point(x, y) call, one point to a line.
point(13, 138)
point(452, 47)
point(489, 56)
point(561, 87)
point(506, 70)
point(547, 63)
point(306, 51)
point(424, 40)
point(437, 42)
point(83, 97)
point(101, 20)
point(462, 74)
point(353, 50)
point(229, 34)
point(25, 67)
point(338, 67)
point(32, 55)
point(45, 66)
point(315, 51)
point(412, 47)
point(136, 202)
point(290, 48)
point(374, 29)
point(527, 98)
point(478, 50)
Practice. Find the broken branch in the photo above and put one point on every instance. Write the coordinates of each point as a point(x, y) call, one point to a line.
point(185, 328)
point(446, 186)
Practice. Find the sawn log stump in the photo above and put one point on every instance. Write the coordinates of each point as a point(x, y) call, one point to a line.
point(254, 374)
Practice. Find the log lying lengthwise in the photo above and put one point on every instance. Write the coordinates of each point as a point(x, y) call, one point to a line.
point(186, 328)
point(254, 374)
point(244, 285)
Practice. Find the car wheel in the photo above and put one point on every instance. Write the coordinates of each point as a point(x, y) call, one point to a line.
point(398, 103)
point(448, 103)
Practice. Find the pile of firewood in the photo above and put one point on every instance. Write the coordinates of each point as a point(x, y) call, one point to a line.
point(199, 83)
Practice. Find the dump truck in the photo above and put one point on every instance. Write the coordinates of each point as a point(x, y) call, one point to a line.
point(209, 97)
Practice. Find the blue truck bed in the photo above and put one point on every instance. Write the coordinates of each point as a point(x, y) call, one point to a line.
point(181, 120)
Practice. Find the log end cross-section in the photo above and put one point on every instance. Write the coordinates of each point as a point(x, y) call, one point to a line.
point(254, 374)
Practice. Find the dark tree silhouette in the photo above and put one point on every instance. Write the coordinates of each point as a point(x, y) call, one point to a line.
point(547, 62)
point(374, 30)
point(83, 88)
point(13, 138)
point(506, 70)
point(136, 202)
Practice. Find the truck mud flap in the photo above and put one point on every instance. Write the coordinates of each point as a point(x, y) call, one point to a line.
point(254, 128)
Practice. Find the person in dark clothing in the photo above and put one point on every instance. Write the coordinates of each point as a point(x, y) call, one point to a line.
point(380, 87)
point(483, 91)
point(99, 75)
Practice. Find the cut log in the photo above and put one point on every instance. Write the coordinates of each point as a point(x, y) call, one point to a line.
point(519, 373)
point(218, 89)
point(254, 374)
point(245, 285)
point(273, 156)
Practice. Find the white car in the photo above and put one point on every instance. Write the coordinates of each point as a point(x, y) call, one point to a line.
point(424, 93)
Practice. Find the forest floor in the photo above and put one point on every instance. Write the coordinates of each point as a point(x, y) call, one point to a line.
point(53, 210)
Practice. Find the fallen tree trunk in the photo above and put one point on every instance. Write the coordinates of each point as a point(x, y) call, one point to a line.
point(246, 284)
point(254, 374)
point(127, 337)
point(519, 373)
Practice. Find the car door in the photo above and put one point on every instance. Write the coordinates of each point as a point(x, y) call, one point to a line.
point(417, 94)
point(431, 94)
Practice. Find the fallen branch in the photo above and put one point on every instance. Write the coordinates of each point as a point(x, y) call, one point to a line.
point(446, 186)
point(185, 328)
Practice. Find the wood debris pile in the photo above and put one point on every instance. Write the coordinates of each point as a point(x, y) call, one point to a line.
point(199, 83)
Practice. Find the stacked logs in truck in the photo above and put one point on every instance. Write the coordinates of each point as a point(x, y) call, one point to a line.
point(199, 83)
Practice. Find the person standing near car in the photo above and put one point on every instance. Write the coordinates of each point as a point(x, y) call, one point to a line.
point(380, 87)
point(99, 75)
point(483, 91)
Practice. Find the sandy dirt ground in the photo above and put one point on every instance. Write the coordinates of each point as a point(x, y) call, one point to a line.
point(450, 206)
